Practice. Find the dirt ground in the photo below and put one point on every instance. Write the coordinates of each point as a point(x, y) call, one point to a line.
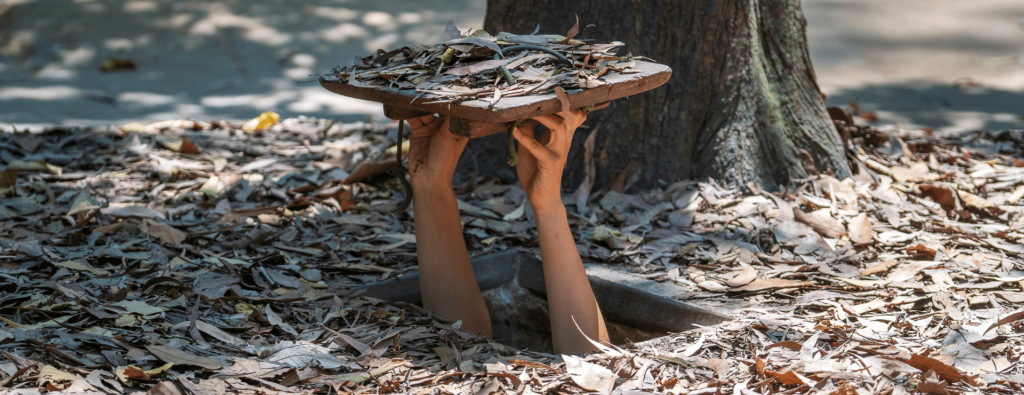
point(945, 64)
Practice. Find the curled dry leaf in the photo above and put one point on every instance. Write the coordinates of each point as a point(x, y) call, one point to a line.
point(1014, 317)
point(589, 376)
point(743, 277)
point(880, 267)
point(821, 221)
point(918, 172)
point(860, 230)
point(932, 385)
point(979, 204)
point(941, 194)
point(944, 371)
point(921, 253)
point(371, 168)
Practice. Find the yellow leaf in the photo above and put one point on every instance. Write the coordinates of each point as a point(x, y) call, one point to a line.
point(159, 370)
point(211, 187)
point(243, 308)
point(259, 123)
point(127, 373)
point(126, 321)
point(34, 165)
point(54, 376)
point(52, 322)
point(170, 143)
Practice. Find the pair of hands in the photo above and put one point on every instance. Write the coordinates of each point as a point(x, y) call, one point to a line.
point(434, 152)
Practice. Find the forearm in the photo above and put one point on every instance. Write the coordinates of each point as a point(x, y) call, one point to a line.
point(569, 294)
point(447, 283)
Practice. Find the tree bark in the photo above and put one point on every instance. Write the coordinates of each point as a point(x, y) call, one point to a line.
point(741, 105)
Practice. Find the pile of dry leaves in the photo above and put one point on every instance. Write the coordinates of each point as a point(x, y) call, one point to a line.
point(480, 66)
point(186, 257)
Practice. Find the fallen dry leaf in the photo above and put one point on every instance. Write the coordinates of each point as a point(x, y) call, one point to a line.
point(860, 230)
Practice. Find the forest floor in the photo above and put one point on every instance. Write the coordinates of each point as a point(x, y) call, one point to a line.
point(185, 257)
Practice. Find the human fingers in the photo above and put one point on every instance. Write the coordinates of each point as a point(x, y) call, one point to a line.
point(578, 117)
point(552, 121)
point(531, 144)
point(418, 122)
point(556, 124)
point(424, 126)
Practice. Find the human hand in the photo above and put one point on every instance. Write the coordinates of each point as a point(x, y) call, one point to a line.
point(541, 162)
point(433, 151)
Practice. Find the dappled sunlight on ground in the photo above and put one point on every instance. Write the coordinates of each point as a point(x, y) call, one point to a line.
point(201, 59)
point(949, 65)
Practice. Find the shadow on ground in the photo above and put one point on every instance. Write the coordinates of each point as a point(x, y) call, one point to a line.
point(947, 109)
point(198, 59)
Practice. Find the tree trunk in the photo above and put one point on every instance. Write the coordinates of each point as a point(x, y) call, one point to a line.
point(742, 103)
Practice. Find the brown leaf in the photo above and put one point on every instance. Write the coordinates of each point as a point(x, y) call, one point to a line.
point(188, 148)
point(945, 372)
point(770, 283)
point(371, 168)
point(720, 366)
point(114, 227)
point(821, 221)
point(921, 253)
point(942, 195)
point(164, 388)
point(179, 357)
point(909, 271)
point(165, 233)
point(792, 345)
point(573, 31)
point(860, 230)
point(880, 267)
point(787, 378)
point(235, 215)
point(8, 179)
point(932, 385)
point(979, 204)
point(563, 98)
point(52, 375)
point(918, 172)
point(1006, 320)
point(845, 389)
point(129, 373)
point(786, 212)
point(743, 277)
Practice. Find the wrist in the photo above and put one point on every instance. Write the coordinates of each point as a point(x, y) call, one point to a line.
point(547, 205)
point(428, 187)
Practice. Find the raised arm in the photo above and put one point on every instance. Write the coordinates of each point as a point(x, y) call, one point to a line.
point(569, 294)
point(447, 282)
